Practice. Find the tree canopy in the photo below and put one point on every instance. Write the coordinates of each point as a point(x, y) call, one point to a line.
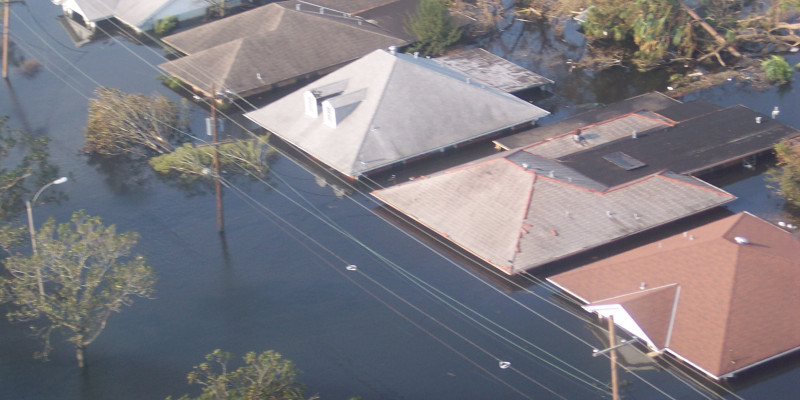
point(265, 376)
point(87, 272)
point(134, 124)
point(433, 27)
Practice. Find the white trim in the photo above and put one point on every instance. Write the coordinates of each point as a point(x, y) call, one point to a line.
point(672, 316)
point(623, 320)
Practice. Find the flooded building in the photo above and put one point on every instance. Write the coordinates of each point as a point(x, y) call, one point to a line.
point(722, 297)
point(388, 108)
point(271, 46)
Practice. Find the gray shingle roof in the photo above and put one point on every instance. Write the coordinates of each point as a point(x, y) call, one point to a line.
point(517, 219)
point(248, 52)
point(494, 70)
point(412, 106)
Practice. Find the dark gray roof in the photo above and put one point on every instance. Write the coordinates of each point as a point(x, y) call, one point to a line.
point(248, 52)
point(391, 16)
point(653, 101)
point(688, 147)
point(411, 107)
point(493, 70)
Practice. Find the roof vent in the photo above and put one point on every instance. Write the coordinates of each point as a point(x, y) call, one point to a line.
point(392, 50)
point(635, 134)
point(758, 120)
point(416, 54)
point(552, 174)
point(642, 286)
point(297, 7)
point(741, 240)
point(525, 165)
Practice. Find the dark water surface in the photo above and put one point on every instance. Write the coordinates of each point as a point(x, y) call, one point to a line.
point(409, 323)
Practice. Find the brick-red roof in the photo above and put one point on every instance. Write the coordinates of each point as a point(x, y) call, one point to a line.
point(737, 303)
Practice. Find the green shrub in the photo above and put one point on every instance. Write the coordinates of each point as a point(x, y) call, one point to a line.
point(172, 82)
point(778, 71)
point(165, 25)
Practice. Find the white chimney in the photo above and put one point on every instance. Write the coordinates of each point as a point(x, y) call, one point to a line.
point(310, 101)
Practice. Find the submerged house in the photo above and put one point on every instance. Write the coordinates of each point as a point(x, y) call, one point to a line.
point(140, 15)
point(271, 46)
point(689, 138)
point(586, 181)
point(518, 211)
point(388, 108)
point(722, 297)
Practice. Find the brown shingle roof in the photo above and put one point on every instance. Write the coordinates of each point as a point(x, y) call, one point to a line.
point(737, 304)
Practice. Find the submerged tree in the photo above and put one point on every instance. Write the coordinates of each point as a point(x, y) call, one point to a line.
point(787, 175)
point(189, 163)
point(265, 376)
point(23, 164)
point(121, 123)
point(433, 27)
point(88, 273)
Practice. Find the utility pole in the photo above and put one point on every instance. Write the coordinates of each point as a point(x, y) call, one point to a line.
point(612, 349)
point(217, 176)
point(6, 13)
point(613, 357)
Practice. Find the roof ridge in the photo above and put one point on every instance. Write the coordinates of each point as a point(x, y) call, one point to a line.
point(640, 291)
point(230, 60)
point(377, 106)
point(341, 21)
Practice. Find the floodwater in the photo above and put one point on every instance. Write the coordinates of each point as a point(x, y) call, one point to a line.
point(410, 322)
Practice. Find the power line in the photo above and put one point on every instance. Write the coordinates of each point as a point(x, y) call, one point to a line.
point(322, 215)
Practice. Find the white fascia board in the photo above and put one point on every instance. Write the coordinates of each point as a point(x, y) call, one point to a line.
point(623, 320)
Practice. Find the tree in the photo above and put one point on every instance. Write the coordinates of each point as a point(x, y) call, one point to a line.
point(777, 70)
point(23, 164)
point(265, 376)
point(188, 162)
point(654, 26)
point(787, 175)
point(164, 26)
point(88, 274)
point(433, 27)
point(136, 124)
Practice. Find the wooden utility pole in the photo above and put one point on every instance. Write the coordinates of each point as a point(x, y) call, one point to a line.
point(6, 13)
point(613, 357)
point(217, 176)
